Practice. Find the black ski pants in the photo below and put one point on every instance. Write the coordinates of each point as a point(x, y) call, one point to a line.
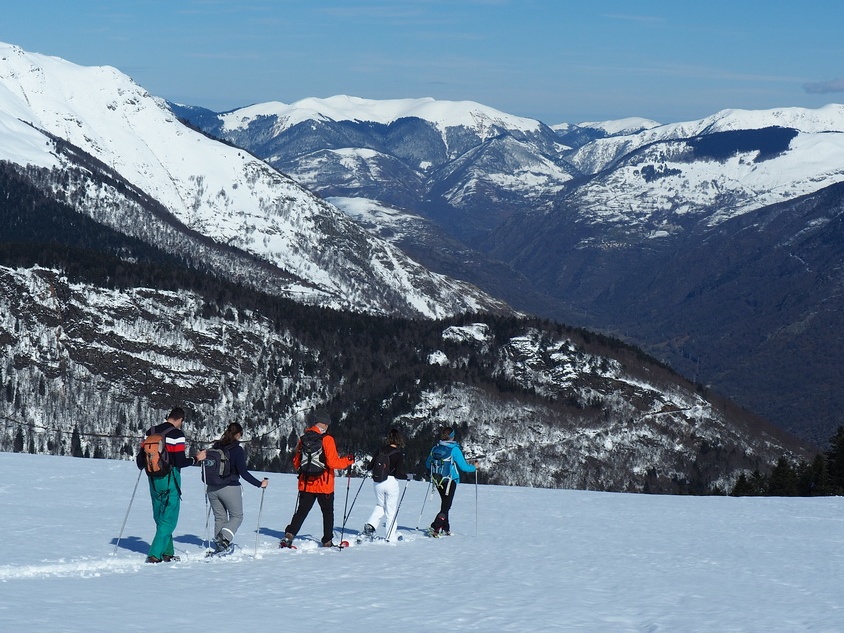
point(303, 507)
point(446, 499)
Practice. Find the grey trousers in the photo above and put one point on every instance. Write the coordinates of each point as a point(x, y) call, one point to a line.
point(227, 504)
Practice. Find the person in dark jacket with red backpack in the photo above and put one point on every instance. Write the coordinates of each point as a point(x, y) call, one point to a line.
point(225, 492)
point(387, 466)
point(165, 485)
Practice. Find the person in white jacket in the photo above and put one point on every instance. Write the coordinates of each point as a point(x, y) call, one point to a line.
point(387, 467)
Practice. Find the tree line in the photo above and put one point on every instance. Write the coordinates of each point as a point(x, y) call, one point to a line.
point(823, 476)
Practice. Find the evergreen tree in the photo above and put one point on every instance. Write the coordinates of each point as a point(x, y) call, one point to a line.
point(742, 487)
point(835, 462)
point(76, 443)
point(813, 479)
point(783, 480)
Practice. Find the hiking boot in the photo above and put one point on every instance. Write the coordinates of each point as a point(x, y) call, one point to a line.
point(433, 532)
point(328, 543)
point(369, 531)
point(153, 559)
point(170, 559)
point(221, 544)
point(287, 541)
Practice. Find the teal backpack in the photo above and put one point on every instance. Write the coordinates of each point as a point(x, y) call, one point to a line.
point(441, 465)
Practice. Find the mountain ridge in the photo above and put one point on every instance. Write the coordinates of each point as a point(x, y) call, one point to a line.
point(616, 186)
point(214, 189)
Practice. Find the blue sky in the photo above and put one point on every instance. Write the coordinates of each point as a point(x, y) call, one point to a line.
point(554, 60)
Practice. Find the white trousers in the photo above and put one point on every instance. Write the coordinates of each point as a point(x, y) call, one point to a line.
point(387, 501)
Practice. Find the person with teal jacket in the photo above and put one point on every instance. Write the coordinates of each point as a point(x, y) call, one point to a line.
point(444, 463)
point(166, 491)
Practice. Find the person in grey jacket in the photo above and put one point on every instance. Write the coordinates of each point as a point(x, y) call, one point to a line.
point(225, 495)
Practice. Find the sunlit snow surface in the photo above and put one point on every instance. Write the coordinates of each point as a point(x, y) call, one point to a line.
point(521, 560)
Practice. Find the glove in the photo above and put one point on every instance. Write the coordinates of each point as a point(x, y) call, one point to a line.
point(350, 457)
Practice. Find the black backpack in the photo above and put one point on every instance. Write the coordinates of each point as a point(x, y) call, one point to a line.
point(217, 467)
point(381, 464)
point(312, 463)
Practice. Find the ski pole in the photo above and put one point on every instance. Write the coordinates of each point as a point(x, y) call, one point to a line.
point(398, 507)
point(348, 483)
point(122, 527)
point(258, 528)
point(346, 511)
point(476, 503)
point(207, 507)
point(424, 501)
point(352, 507)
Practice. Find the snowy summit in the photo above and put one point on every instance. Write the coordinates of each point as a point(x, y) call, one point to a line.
point(443, 114)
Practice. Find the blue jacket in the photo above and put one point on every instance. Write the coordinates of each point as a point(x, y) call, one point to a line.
point(458, 461)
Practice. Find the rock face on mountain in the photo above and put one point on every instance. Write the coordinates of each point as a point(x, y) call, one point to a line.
point(616, 225)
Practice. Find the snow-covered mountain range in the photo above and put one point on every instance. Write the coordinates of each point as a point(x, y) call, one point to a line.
point(584, 223)
point(410, 153)
point(714, 169)
point(149, 264)
point(208, 196)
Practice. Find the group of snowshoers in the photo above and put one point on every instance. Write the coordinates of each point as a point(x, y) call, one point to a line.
point(163, 455)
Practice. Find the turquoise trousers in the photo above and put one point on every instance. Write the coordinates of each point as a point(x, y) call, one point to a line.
point(166, 498)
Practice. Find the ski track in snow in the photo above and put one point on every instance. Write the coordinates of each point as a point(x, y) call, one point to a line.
point(541, 560)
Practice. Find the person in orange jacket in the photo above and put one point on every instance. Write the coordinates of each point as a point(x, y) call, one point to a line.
point(316, 478)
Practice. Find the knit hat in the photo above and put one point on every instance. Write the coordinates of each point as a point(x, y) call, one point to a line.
point(321, 417)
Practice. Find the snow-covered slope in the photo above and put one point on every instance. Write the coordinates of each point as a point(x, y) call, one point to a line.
point(208, 188)
point(522, 559)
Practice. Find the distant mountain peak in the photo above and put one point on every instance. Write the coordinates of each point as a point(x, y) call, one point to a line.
point(616, 127)
point(442, 114)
